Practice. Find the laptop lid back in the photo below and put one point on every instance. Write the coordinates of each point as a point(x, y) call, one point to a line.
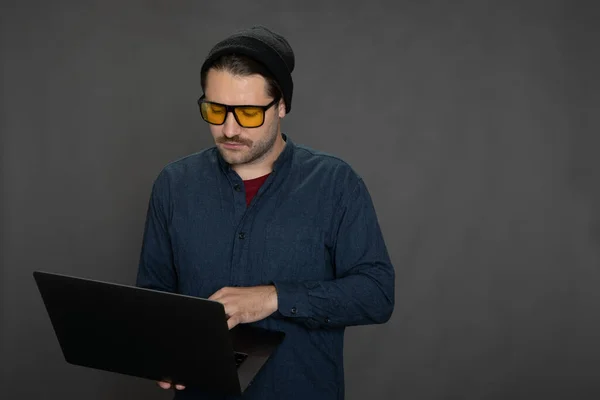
point(141, 332)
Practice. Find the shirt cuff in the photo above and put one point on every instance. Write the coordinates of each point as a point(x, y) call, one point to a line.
point(292, 299)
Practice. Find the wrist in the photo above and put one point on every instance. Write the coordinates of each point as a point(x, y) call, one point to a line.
point(273, 300)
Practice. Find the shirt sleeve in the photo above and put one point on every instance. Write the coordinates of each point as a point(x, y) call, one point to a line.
point(156, 268)
point(363, 289)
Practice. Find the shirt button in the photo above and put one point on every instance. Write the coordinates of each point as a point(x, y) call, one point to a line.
point(294, 310)
point(242, 235)
point(237, 187)
point(326, 320)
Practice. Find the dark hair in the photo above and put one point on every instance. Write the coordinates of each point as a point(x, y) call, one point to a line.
point(241, 65)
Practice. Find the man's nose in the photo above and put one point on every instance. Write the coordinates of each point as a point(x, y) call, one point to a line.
point(230, 126)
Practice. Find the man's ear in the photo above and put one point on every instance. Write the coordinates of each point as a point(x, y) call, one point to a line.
point(281, 109)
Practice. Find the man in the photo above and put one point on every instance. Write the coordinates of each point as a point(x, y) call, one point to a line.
point(285, 237)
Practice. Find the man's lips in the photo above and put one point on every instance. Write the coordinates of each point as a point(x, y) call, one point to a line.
point(232, 144)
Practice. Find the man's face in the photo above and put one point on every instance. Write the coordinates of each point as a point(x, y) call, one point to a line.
point(236, 144)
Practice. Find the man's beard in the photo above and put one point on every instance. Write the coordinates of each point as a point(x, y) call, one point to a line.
point(251, 151)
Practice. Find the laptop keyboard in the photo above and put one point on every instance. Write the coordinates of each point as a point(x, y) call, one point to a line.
point(239, 358)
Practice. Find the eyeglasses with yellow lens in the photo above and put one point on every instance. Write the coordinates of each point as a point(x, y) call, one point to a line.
point(245, 115)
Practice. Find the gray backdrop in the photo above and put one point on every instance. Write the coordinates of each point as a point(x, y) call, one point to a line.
point(474, 124)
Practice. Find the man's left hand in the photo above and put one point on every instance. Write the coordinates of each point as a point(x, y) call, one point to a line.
point(247, 304)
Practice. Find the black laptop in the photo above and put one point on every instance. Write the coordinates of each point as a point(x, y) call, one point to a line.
point(153, 334)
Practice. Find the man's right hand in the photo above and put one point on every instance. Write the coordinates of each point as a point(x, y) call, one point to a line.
point(167, 385)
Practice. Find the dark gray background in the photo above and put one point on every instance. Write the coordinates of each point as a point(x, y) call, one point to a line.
point(474, 123)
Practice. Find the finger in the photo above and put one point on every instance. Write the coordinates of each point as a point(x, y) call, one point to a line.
point(219, 294)
point(232, 322)
point(216, 295)
point(179, 387)
point(230, 309)
point(164, 385)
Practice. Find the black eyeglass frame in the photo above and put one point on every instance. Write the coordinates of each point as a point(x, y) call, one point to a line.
point(231, 109)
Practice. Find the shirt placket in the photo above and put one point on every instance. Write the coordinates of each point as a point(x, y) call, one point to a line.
point(239, 270)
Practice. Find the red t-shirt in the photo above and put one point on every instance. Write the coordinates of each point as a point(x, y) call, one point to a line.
point(252, 186)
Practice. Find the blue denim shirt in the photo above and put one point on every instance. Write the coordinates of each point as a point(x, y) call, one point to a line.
point(311, 230)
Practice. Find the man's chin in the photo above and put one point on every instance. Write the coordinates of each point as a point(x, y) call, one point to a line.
point(232, 157)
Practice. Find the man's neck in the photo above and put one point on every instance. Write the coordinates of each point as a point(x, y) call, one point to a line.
point(264, 166)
